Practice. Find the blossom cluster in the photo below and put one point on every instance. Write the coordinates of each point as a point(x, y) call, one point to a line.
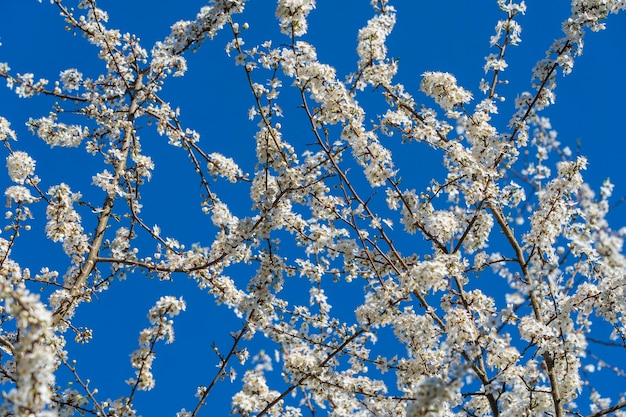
point(162, 329)
point(64, 223)
point(20, 166)
point(33, 352)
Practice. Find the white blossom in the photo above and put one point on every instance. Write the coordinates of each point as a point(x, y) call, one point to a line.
point(5, 131)
point(20, 166)
point(161, 329)
point(71, 79)
point(34, 353)
point(64, 223)
point(292, 16)
point(57, 134)
point(224, 167)
point(19, 194)
point(442, 87)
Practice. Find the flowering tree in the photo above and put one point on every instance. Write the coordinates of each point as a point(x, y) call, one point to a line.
point(484, 292)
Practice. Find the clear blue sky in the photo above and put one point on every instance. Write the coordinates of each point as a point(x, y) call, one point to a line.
point(431, 35)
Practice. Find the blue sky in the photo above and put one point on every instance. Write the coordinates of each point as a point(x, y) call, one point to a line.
point(430, 35)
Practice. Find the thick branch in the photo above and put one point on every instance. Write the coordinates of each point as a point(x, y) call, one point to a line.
point(90, 263)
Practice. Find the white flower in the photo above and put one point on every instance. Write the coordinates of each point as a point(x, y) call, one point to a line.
point(19, 194)
point(20, 166)
point(26, 85)
point(5, 131)
point(106, 181)
point(71, 79)
point(57, 134)
point(442, 87)
point(162, 329)
point(64, 223)
point(292, 15)
point(240, 59)
point(34, 352)
point(223, 166)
